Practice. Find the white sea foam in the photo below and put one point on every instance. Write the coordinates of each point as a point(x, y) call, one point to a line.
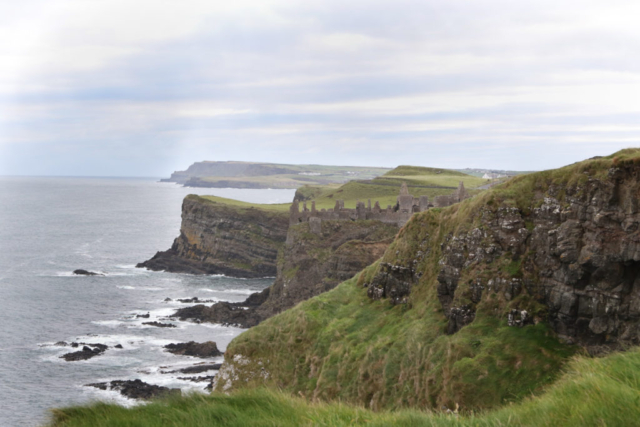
point(125, 287)
point(110, 396)
point(109, 323)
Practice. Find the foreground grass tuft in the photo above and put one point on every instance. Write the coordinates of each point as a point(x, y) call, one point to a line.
point(592, 392)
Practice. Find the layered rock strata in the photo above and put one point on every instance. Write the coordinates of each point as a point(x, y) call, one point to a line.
point(568, 255)
point(216, 238)
point(309, 264)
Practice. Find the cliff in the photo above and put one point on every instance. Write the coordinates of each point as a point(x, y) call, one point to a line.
point(307, 265)
point(476, 305)
point(219, 238)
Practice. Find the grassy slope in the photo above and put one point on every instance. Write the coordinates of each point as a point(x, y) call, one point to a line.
point(592, 392)
point(341, 345)
point(280, 207)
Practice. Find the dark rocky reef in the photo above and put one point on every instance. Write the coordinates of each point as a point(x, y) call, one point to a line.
point(81, 272)
point(243, 314)
point(561, 247)
point(220, 239)
point(159, 324)
point(136, 389)
point(192, 348)
point(88, 351)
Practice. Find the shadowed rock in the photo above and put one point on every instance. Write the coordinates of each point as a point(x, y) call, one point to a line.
point(191, 348)
point(136, 389)
point(81, 272)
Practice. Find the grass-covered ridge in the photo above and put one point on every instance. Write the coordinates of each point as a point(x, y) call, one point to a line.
point(342, 345)
point(592, 392)
point(279, 207)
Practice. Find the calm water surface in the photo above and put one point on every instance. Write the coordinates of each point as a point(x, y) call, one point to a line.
point(52, 226)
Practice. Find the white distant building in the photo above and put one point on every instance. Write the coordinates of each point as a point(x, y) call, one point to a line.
point(492, 176)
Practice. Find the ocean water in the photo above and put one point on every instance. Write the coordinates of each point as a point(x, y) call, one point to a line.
point(52, 226)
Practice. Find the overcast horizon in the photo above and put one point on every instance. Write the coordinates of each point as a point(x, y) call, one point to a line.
point(144, 88)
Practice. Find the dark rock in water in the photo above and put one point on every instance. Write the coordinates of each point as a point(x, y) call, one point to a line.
point(194, 300)
point(196, 369)
point(197, 379)
point(226, 313)
point(159, 324)
point(101, 386)
point(142, 316)
point(136, 389)
point(85, 353)
point(117, 346)
point(61, 344)
point(167, 299)
point(191, 348)
point(81, 272)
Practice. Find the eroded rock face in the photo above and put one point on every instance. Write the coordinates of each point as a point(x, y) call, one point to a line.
point(221, 239)
point(310, 264)
point(192, 348)
point(576, 251)
point(393, 282)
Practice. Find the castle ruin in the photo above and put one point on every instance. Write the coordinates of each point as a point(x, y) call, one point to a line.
point(406, 205)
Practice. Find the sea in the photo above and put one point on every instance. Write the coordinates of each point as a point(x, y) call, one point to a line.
point(50, 227)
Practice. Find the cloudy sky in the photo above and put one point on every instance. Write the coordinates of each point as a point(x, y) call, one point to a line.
point(142, 88)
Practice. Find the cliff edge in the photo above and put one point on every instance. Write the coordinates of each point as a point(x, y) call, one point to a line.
point(474, 305)
point(219, 238)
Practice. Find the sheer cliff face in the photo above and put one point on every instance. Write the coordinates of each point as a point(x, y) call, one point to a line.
point(221, 239)
point(307, 265)
point(313, 263)
point(561, 247)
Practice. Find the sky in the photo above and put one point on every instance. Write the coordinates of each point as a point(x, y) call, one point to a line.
point(143, 88)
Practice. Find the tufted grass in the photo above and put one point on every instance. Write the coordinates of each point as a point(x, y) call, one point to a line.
point(591, 392)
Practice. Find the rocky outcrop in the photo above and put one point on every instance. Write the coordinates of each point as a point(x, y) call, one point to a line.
point(88, 351)
point(136, 389)
point(81, 272)
point(216, 238)
point(192, 348)
point(568, 254)
point(310, 264)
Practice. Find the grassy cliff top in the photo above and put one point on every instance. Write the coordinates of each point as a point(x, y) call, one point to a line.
point(280, 207)
point(405, 170)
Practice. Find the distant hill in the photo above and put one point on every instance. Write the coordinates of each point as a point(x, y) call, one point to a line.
point(482, 172)
point(232, 174)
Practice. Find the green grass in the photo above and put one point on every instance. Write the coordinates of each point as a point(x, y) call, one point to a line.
point(405, 170)
point(281, 207)
point(342, 345)
point(592, 392)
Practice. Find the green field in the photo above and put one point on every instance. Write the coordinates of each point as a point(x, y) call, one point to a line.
point(421, 182)
point(276, 207)
point(425, 182)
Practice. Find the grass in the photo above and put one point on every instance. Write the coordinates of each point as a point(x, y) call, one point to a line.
point(591, 392)
point(342, 345)
point(280, 207)
point(382, 189)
